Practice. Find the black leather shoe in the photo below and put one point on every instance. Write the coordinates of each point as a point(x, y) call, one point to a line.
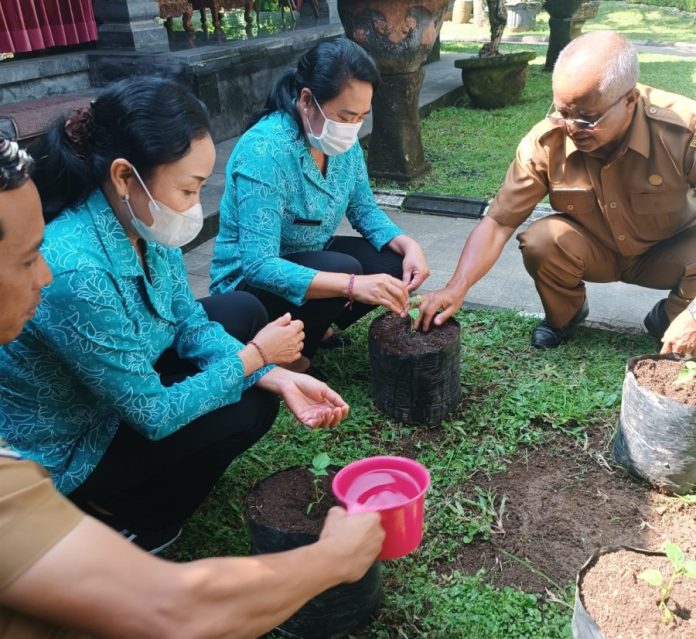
point(545, 336)
point(656, 321)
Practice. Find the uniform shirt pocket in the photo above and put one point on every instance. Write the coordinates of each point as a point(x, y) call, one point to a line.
point(660, 203)
point(573, 201)
point(660, 215)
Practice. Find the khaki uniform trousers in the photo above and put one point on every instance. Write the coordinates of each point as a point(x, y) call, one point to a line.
point(561, 256)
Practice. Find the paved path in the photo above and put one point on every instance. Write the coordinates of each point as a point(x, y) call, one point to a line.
point(507, 285)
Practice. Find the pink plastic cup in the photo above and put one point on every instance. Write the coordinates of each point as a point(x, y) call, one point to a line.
point(394, 487)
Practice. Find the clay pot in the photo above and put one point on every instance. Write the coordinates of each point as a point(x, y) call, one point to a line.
point(496, 81)
point(399, 35)
point(521, 16)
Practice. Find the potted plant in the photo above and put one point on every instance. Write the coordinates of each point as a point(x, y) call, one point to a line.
point(493, 79)
point(415, 375)
point(656, 434)
point(287, 510)
point(632, 592)
point(521, 14)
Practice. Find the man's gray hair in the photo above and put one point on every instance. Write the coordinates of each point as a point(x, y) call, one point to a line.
point(620, 72)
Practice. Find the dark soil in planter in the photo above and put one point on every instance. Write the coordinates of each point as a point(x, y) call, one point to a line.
point(624, 606)
point(658, 375)
point(281, 501)
point(562, 505)
point(395, 334)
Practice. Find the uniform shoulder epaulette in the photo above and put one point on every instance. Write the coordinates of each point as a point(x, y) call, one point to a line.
point(664, 114)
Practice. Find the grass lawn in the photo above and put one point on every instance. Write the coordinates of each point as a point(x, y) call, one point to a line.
point(518, 403)
point(470, 149)
point(640, 23)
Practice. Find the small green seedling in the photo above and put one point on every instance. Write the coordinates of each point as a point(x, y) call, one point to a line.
point(687, 373)
point(680, 566)
point(318, 468)
point(413, 310)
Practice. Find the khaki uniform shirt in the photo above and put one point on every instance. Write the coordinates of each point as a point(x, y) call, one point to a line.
point(33, 518)
point(642, 195)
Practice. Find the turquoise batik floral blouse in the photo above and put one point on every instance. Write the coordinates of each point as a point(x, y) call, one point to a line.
point(277, 201)
point(85, 362)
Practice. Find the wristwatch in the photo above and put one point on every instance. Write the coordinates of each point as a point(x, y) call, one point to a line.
point(692, 309)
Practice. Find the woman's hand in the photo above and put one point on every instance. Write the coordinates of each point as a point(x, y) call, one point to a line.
point(313, 402)
point(282, 340)
point(440, 305)
point(416, 269)
point(381, 290)
point(680, 336)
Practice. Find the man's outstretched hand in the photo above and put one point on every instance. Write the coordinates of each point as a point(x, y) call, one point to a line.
point(437, 307)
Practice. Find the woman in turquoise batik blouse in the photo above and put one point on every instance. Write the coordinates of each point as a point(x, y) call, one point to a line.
point(291, 179)
point(122, 386)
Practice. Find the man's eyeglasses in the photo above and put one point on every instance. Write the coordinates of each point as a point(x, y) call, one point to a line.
point(554, 116)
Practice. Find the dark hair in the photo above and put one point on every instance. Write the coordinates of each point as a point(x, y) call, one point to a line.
point(325, 70)
point(15, 167)
point(148, 121)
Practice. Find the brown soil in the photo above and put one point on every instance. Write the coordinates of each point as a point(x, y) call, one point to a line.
point(624, 606)
point(562, 506)
point(281, 501)
point(658, 375)
point(394, 334)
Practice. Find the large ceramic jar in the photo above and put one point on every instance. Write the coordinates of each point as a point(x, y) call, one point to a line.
point(399, 34)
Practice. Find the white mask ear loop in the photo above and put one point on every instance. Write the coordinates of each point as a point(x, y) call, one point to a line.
point(147, 191)
point(126, 200)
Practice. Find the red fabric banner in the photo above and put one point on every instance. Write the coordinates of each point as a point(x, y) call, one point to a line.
point(32, 25)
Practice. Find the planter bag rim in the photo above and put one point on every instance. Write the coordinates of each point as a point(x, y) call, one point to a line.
point(633, 361)
point(583, 625)
point(255, 485)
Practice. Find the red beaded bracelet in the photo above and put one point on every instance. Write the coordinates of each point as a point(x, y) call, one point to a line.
point(351, 281)
point(264, 359)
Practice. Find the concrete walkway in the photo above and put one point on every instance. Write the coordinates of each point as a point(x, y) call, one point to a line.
point(507, 285)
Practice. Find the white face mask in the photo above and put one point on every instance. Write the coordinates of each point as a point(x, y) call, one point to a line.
point(335, 137)
point(169, 227)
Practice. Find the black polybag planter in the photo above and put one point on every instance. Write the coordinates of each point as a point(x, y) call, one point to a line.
point(583, 625)
point(333, 614)
point(656, 436)
point(417, 388)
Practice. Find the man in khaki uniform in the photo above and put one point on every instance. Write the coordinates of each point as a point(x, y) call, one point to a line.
point(618, 161)
point(62, 569)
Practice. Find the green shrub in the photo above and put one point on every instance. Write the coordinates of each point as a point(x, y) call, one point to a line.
point(684, 5)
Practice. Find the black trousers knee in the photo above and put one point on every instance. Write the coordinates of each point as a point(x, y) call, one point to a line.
point(342, 255)
point(148, 484)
